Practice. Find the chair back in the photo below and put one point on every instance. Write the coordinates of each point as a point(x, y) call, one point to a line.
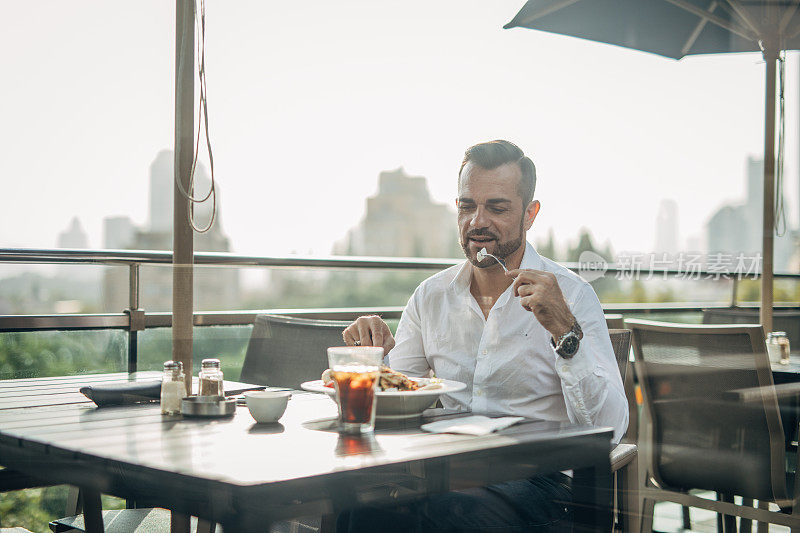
point(787, 320)
point(615, 321)
point(286, 351)
point(704, 434)
point(621, 343)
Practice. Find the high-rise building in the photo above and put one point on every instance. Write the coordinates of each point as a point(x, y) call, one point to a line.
point(728, 231)
point(73, 236)
point(667, 227)
point(118, 232)
point(159, 212)
point(755, 183)
point(216, 288)
point(736, 228)
point(403, 221)
point(159, 218)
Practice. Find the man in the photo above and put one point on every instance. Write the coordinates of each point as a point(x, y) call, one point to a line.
point(531, 341)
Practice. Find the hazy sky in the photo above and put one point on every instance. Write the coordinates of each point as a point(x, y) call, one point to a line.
point(310, 100)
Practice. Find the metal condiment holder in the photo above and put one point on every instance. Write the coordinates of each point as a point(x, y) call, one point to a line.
point(208, 406)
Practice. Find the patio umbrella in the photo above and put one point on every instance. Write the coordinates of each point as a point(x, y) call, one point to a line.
point(675, 29)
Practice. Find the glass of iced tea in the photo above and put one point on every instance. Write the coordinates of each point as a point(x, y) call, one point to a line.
point(355, 371)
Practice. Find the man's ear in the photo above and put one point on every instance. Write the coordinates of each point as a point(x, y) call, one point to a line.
point(530, 213)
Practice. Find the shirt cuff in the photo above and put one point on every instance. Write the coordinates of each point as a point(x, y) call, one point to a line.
point(573, 370)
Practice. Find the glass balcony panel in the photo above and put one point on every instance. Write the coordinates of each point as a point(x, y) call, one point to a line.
point(34, 354)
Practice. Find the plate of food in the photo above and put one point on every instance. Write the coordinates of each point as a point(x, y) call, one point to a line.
point(399, 396)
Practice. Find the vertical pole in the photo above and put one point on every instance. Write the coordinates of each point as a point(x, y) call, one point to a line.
point(179, 522)
point(770, 57)
point(92, 511)
point(183, 253)
point(592, 491)
point(133, 306)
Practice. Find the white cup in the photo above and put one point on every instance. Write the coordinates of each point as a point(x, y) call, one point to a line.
point(267, 406)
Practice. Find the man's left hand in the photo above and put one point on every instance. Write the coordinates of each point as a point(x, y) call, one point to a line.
point(539, 293)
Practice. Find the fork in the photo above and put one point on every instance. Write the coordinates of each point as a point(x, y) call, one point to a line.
point(483, 253)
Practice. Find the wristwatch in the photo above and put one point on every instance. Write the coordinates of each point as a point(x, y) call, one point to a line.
point(567, 344)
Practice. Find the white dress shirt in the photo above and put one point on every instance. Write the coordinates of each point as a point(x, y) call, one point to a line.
point(507, 360)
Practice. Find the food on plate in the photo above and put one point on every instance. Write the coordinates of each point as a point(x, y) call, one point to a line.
point(390, 380)
point(394, 380)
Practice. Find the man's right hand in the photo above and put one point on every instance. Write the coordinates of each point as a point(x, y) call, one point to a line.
point(369, 331)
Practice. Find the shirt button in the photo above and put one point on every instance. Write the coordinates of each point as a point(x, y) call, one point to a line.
point(485, 352)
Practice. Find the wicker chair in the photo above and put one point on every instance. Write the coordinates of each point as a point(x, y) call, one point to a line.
point(624, 456)
point(286, 351)
point(713, 421)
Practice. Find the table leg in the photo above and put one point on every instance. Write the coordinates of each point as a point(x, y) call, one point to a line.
point(728, 521)
point(592, 497)
point(328, 524)
point(179, 523)
point(74, 501)
point(234, 523)
point(204, 526)
point(92, 511)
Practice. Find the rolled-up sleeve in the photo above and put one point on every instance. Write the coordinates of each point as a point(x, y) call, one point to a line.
point(590, 380)
point(408, 354)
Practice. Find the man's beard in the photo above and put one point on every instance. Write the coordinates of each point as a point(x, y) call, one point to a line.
point(504, 249)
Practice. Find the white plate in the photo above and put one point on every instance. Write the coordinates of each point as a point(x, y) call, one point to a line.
point(398, 404)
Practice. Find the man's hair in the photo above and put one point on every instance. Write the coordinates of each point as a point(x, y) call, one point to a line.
point(492, 154)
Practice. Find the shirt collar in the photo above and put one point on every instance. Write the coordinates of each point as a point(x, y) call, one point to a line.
point(531, 260)
point(460, 283)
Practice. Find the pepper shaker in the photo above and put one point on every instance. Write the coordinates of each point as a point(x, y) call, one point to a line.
point(211, 378)
point(778, 347)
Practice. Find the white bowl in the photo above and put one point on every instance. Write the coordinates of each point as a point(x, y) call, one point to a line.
point(267, 406)
point(398, 404)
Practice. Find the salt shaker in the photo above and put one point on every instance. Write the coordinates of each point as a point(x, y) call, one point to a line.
point(778, 347)
point(173, 388)
point(211, 378)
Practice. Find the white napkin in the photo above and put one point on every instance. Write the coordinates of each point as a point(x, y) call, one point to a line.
point(471, 425)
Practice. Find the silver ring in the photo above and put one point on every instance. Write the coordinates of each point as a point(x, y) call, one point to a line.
point(356, 343)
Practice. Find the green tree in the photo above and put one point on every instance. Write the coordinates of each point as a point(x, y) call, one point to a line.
point(61, 353)
point(547, 248)
point(606, 286)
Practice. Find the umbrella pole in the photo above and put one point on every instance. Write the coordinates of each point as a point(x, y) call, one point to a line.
point(182, 236)
point(767, 266)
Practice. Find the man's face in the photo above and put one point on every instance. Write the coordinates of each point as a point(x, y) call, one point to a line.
point(490, 212)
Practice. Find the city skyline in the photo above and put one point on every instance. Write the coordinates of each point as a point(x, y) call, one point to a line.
point(305, 115)
point(158, 216)
point(396, 190)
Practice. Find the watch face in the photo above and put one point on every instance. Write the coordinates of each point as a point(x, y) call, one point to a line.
point(569, 346)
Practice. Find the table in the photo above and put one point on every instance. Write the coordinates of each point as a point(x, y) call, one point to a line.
point(247, 475)
point(787, 373)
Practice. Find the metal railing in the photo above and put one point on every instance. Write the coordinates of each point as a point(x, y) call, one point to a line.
point(134, 319)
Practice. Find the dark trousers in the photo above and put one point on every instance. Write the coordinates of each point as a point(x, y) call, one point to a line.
point(539, 504)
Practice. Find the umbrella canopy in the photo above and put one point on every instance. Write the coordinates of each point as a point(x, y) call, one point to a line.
point(671, 28)
point(675, 29)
